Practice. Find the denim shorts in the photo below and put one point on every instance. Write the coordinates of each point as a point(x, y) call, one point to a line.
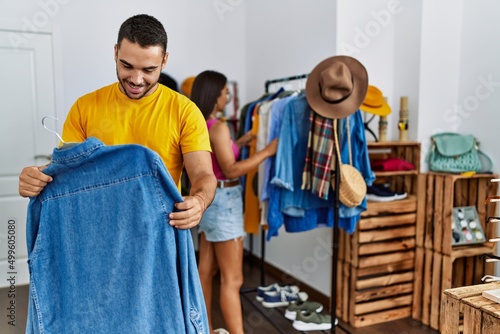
point(223, 219)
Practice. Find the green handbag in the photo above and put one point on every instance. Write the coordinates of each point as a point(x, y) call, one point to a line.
point(456, 153)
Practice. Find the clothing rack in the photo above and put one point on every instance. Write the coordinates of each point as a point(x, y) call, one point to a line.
point(298, 78)
point(335, 245)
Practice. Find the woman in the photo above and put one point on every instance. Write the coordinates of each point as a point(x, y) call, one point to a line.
point(221, 228)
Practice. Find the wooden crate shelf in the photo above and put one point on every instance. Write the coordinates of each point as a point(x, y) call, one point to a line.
point(436, 272)
point(376, 270)
point(438, 264)
point(480, 315)
point(375, 294)
point(442, 193)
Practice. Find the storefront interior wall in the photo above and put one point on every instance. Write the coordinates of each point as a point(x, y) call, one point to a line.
point(435, 52)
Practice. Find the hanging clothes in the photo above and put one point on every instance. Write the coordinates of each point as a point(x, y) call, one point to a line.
point(102, 255)
point(252, 213)
point(317, 169)
point(299, 209)
point(250, 181)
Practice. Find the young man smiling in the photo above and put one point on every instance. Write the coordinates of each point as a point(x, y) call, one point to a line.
point(138, 110)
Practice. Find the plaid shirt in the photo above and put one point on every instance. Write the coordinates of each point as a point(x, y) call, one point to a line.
point(317, 169)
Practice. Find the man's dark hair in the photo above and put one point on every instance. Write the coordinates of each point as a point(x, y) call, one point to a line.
point(144, 30)
point(207, 87)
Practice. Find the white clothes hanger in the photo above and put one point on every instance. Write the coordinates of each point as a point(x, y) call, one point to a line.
point(50, 130)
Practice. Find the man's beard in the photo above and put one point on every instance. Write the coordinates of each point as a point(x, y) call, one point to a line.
point(121, 82)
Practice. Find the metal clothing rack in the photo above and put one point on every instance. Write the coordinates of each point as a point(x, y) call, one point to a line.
point(298, 78)
point(335, 245)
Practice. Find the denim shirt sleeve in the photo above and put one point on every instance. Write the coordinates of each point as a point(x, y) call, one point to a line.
point(284, 155)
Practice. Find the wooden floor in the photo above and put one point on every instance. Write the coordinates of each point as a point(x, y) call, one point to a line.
point(260, 320)
point(257, 319)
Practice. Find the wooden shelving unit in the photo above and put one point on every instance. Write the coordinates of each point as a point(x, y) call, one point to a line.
point(376, 267)
point(438, 264)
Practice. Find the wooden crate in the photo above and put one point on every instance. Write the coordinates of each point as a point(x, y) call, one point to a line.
point(436, 272)
point(401, 181)
point(375, 294)
point(479, 314)
point(438, 264)
point(383, 235)
point(442, 193)
point(376, 263)
point(376, 284)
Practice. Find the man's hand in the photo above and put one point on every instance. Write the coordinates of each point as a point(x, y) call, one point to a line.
point(32, 181)
point(190, 216)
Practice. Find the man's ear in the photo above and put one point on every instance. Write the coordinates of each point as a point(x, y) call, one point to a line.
point(116, 52)
point(164, 61)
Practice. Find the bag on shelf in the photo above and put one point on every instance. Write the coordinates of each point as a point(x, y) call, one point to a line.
point(456, 153)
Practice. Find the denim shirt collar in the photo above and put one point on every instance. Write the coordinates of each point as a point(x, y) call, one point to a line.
point(73, 152)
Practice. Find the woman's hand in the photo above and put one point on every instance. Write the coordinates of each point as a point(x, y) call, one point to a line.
point(245, 139)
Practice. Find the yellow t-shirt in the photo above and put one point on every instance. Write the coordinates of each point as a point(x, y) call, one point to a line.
point(165, 121)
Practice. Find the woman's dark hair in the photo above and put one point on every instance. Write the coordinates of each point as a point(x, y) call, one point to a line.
point(207, 87)
point(144, 30)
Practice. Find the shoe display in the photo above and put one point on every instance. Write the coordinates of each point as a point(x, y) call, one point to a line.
point(273, 288)
point(383, 193)
point(313, 321)
point(302, 306)
point(221, 331)
point(282, 298)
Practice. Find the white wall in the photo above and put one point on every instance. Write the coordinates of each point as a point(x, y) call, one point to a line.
point(479, 80)
point(439, 68)
point(285, 40)
point(201, 36)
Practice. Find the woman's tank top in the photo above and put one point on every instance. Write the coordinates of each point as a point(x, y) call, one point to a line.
point(215, 165)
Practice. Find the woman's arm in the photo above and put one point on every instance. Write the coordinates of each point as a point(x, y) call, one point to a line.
point(220, 138)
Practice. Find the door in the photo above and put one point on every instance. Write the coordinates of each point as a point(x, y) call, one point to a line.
point(27, 94)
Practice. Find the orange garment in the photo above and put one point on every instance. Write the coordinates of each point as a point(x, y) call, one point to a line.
point(252, 210)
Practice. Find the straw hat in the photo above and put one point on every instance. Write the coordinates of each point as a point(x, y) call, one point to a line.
point(337, 86)
point(374, 102)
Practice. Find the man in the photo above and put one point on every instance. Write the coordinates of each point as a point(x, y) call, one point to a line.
point(138, 110)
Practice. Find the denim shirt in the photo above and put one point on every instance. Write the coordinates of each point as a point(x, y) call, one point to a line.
point(102, 255)
point(300, 210)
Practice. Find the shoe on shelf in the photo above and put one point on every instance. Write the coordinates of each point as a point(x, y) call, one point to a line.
point(282, 298)
point(387, 187)
point(313, 321)
point(382, 193)
point(221, 331)
point(302, 306)
point(261, 290)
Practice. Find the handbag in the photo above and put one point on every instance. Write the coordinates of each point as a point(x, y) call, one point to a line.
point(456, 153)
point(352, 188)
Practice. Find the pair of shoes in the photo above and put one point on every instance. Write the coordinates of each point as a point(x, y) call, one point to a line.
point(261, 290)
point(221, 331)
point(312, 321)
point(382, 193)
point(302, 307)
point(282, 298)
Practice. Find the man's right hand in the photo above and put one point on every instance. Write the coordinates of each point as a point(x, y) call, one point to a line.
point(32, 181)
